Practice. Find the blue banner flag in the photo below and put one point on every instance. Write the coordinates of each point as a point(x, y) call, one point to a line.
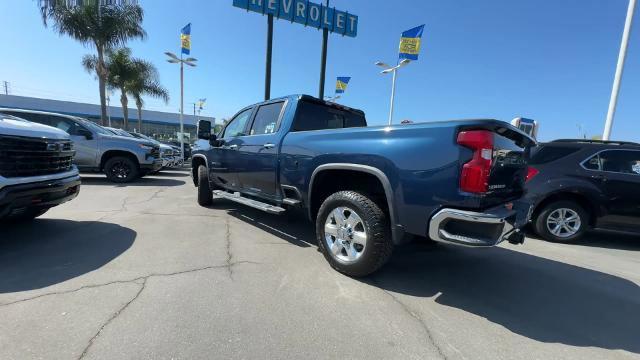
point(185, 39)
point(410, 43)
point(341, 84)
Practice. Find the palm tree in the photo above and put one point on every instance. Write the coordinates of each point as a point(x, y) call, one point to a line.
point(103, 24)
point(121, 72)
point(146, 81)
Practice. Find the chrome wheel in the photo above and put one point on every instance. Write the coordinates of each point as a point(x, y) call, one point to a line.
point(564, 222)
point(344, 234)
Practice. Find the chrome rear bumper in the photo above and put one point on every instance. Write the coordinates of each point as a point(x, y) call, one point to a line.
point(475, 229)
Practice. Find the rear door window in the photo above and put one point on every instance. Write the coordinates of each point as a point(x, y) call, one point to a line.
point(266, 119)
point(621, 161)
point(314, 116)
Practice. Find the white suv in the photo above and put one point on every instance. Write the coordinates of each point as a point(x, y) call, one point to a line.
point(36, 168)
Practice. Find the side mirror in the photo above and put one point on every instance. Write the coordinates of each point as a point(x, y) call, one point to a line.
point(213, 140)
point(204, 129)
point(86, 133)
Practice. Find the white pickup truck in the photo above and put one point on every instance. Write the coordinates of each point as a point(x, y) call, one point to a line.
point(36, 169)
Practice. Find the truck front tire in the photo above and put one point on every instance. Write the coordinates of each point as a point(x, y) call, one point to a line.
point(353, 233)
point(121, 169)
point(205, 196)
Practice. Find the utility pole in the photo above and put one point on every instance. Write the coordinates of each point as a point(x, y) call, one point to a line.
point(619, 69)
point(323, 58)
point(267, 73)
point(6, 87)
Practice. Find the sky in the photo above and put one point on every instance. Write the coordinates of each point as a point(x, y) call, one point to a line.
point(549, 60)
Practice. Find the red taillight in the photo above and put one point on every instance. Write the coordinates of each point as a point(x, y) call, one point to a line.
point(475, 173)
point(531, 173)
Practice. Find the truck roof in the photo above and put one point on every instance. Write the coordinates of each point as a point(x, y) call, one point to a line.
point(313, 99)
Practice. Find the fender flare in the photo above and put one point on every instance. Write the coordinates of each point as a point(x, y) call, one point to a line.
point(397, 232)
point(206, 163)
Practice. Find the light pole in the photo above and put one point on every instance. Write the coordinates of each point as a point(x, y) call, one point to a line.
point(394, 70)
point(619, 69)
point(109, 108)
point(179, 60)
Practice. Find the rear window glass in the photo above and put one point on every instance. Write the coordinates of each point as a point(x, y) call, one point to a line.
point(547, 154)
point(313, 116)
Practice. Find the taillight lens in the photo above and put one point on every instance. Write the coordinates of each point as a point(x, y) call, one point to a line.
point(531, 173)
point(475, 173)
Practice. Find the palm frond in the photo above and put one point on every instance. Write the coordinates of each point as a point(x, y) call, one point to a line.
point(90, 63)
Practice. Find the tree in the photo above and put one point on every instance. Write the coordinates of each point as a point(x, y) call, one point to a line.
point(103, 24)
point(121, 71)
point(145, 82)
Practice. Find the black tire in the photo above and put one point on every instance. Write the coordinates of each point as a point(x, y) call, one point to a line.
point(28, 215)
point(205, 196)
point(550, 210)
point(121, 169)
point(378, 247)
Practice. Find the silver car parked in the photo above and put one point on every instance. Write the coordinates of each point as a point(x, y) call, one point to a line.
point(122, 159)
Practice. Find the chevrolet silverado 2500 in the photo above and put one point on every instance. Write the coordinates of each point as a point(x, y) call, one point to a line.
point(36, 169)
point(365, 188)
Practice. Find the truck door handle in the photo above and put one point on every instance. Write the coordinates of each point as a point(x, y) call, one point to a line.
point(233, 147)
point(268, 145)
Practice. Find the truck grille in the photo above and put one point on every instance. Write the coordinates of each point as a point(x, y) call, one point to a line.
point(22, 156)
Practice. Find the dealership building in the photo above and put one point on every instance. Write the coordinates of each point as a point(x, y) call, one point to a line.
point(160, 125)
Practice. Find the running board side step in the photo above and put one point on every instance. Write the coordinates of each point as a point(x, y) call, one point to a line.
point(236, 197)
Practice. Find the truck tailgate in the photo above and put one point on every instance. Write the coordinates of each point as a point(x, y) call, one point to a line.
point(508, 164)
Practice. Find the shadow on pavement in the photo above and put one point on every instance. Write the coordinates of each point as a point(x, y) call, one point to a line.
point(292, 227)
point(49, 251)
point(542, 299)
point(171, 173)
point(145, 181)
point(603, 239)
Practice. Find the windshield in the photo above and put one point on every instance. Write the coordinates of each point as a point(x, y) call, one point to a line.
point(94, 127)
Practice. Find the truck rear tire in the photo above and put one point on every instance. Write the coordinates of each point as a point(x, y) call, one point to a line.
point(353, 233)
point(121, 169)
point(205, 196)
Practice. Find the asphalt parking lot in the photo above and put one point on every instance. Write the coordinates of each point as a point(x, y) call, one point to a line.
point(140, 271)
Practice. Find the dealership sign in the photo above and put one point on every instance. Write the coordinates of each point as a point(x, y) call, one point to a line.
point(306, 13)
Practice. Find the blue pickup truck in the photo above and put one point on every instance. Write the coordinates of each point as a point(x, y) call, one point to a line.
point(368, 189)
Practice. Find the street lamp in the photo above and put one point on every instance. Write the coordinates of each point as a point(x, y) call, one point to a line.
point(173, 59)
point(619, 69)
point(394, 70)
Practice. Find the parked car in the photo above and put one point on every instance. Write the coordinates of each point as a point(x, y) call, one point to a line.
point(122, 159)
point(166, 151)
point(576, 185)
point(36, 169)
point(177, 154)
point(187, 148)
point(456, 182)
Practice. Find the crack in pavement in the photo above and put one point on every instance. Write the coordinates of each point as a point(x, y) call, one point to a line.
point(228, 242)
point(144, 278)
point(112, 318)
point(420, 321)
